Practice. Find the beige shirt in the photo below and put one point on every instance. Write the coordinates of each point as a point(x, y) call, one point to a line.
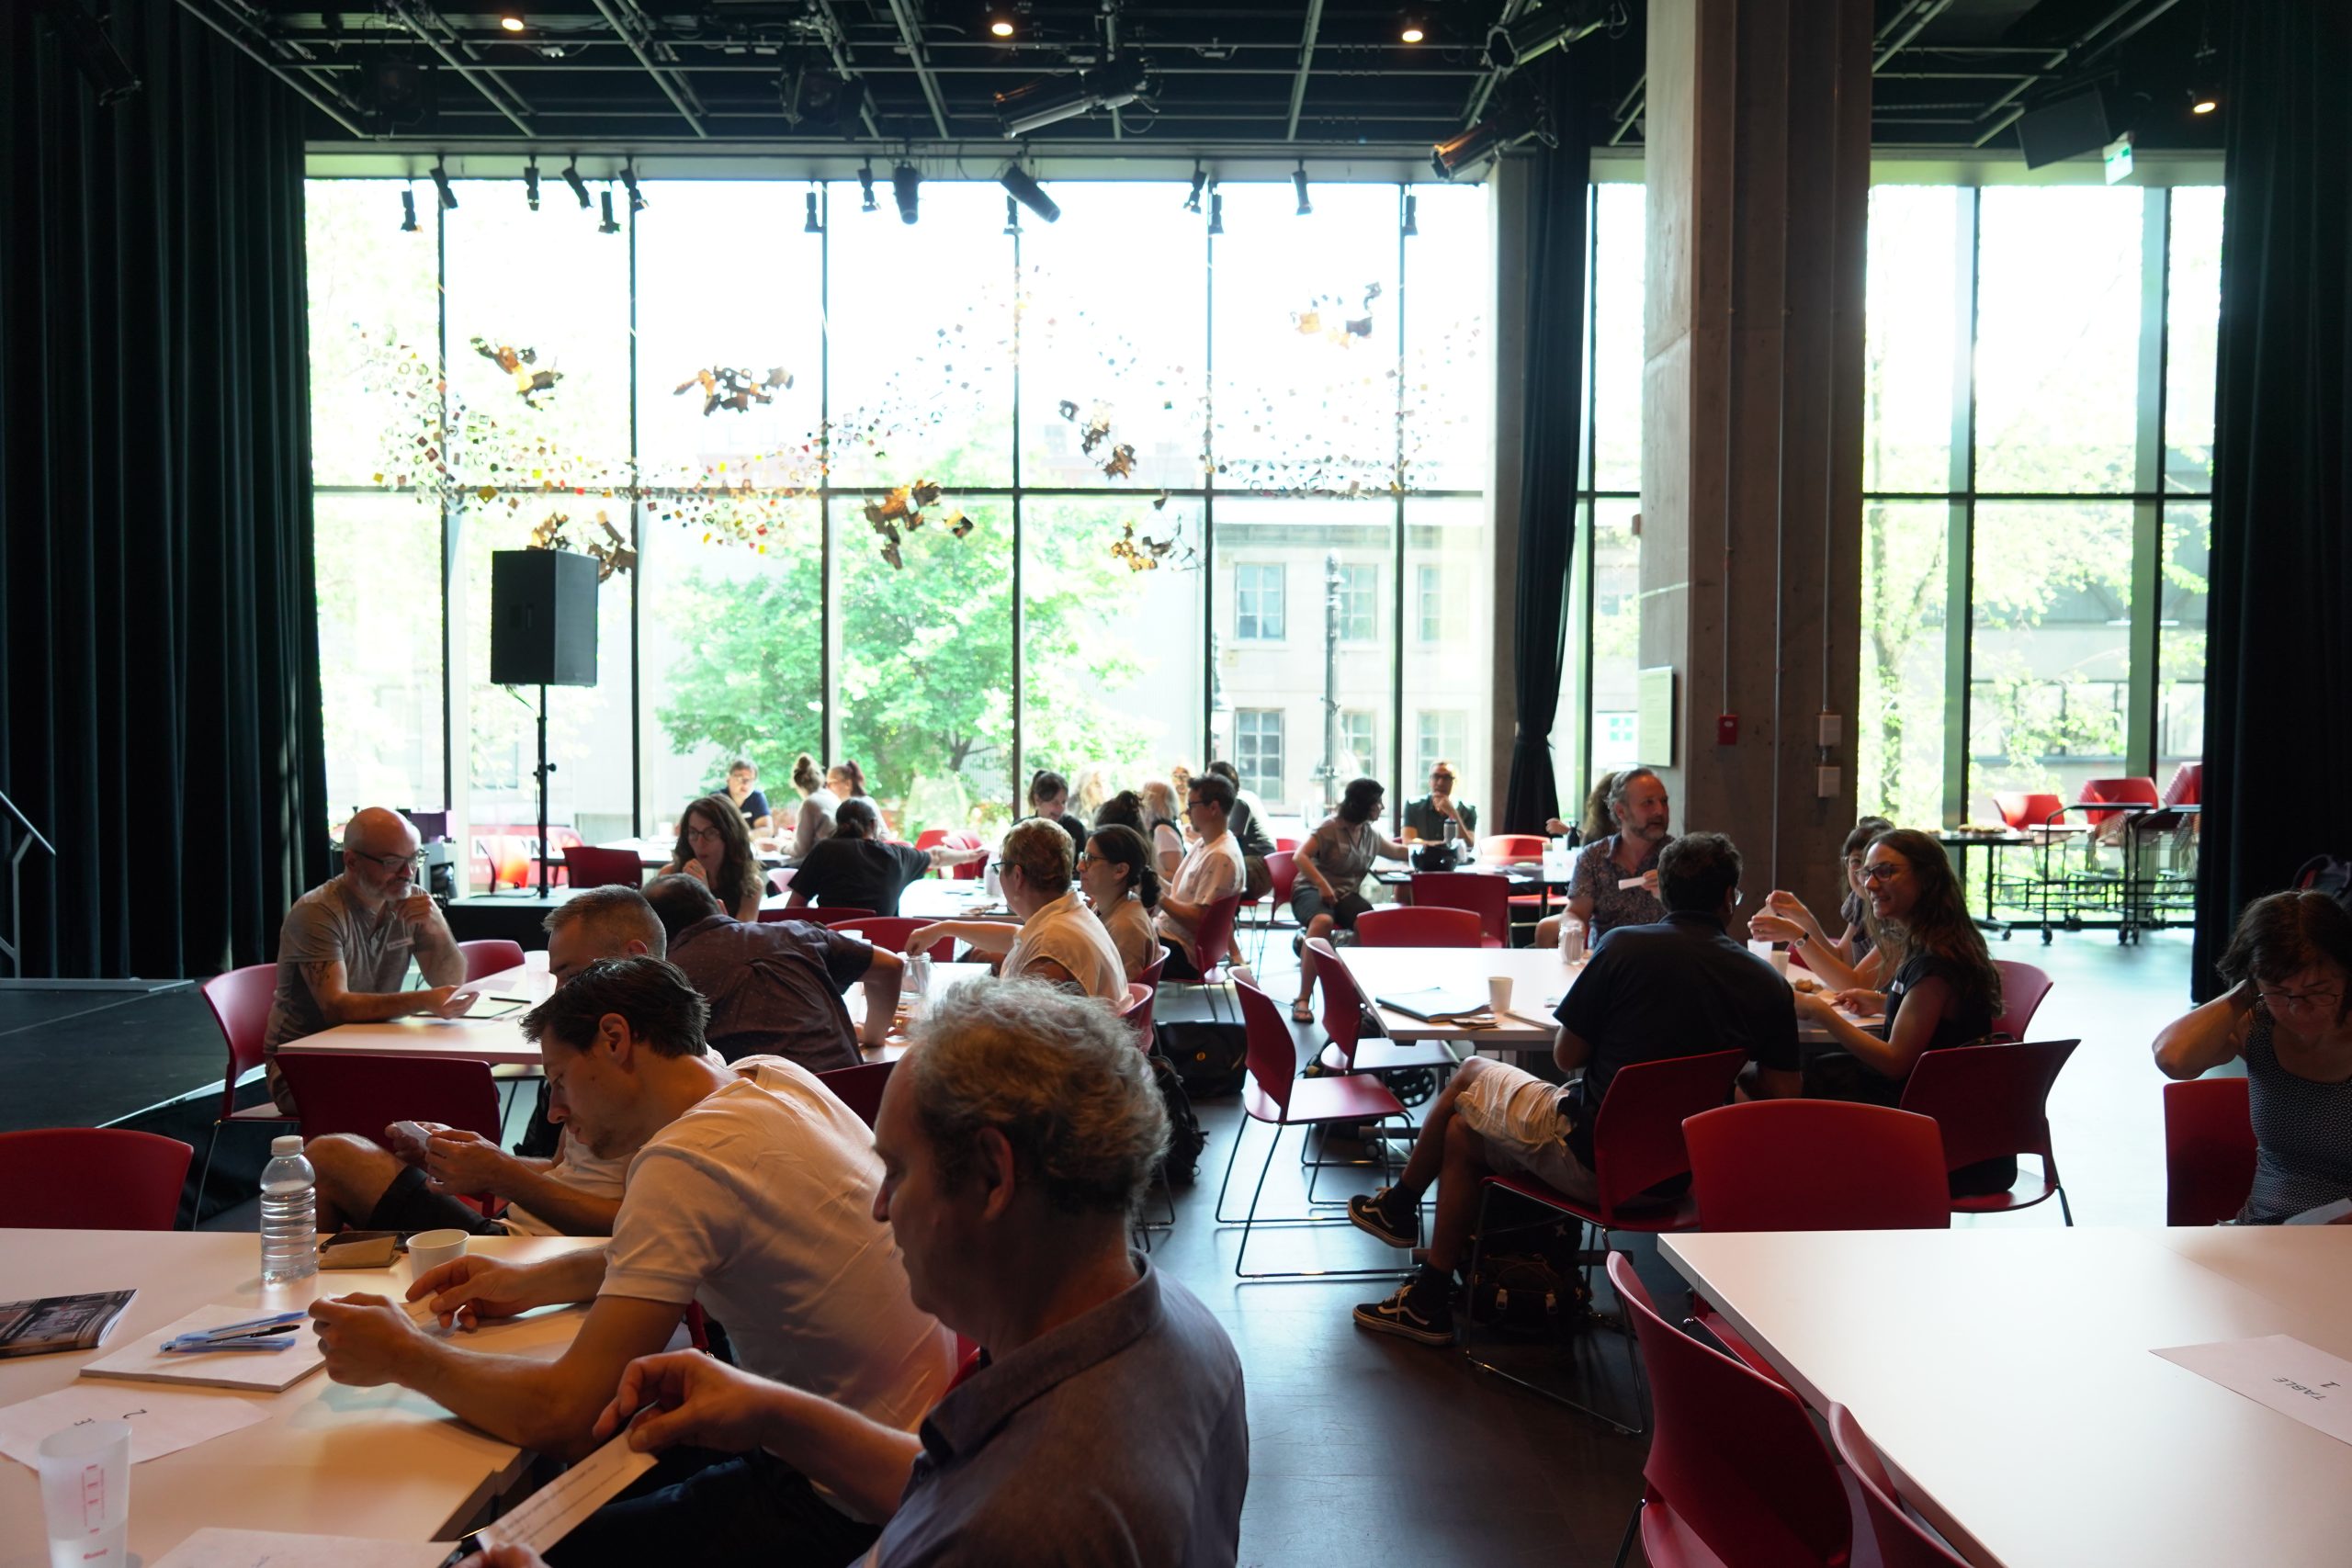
point(1068, 932)
point(1211, 870)
point(1129, 924)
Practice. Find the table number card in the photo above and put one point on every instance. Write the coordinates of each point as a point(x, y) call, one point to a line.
point(2280, 1372)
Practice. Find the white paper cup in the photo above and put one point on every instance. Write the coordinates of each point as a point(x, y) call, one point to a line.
point(427, 1250)
point(536, 961)
point(85, 1493)
point(1498, 994)
point(1780, 962)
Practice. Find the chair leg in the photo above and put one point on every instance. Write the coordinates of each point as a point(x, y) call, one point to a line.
point(1231, 1154)
point(195, 1215)
point(2065, 1209)
point(1632, 1528)
point(1250, 1220)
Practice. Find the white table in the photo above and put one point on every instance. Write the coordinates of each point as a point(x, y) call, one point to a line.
point(379, 1462)
point(1539, 979)
point(2005, 1373)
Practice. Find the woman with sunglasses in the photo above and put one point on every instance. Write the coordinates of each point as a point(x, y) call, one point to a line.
point(2288, 1013)
point(1864, 957)
point(715, 848)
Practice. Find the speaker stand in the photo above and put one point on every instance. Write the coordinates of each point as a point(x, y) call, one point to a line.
point(541, 773)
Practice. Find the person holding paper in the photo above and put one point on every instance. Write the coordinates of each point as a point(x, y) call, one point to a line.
point(1104, 1419)
point(1616, 878)
point(2289, 1014)
point(345, 947)
point(752, 1194)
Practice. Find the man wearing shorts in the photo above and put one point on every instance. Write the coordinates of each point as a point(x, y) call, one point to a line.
point(1679, 987)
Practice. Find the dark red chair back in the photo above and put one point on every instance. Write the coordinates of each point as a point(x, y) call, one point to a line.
point(2122, 792)
point(860, 1088)
point(362, 1094)
point(1734, 1459)
point(2022, 989)
point(489, 957)
point(1507, 847)
point(91, 1179)
point(1413, 926)
point(971, 870)
point(1213, 938)
point(2022, 811)
point(1485, 895)
point(888, 932)
point(1282, 868)
point(1903, 1542)
point(2208, 1151)
point(1990, 1100)
point(1816, 1165)
point(1272, 1053)
point(1135, 1012)
point(2186, 785)
point(1637, 1133)
point(586, 867)
point(1342, 1001)
point(240, 1002)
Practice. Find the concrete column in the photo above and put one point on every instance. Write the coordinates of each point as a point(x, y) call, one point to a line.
point(1757, 151)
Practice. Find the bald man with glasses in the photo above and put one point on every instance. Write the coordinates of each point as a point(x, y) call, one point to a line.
point(344, 949)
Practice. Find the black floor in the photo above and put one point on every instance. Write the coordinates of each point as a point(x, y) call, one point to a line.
point(1363, 1449)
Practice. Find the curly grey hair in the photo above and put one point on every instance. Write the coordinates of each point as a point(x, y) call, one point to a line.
point(1057, 1076)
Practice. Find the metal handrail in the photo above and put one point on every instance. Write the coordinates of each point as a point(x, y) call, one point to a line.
point(8, 945)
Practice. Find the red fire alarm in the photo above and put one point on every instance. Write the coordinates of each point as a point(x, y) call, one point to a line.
point(1727, 729)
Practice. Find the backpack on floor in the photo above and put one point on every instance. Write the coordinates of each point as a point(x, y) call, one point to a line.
point(1213, 1059)
point(1181, 1165)
point(1537, 1288)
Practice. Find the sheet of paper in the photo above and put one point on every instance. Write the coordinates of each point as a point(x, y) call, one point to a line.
point(163, 1420)
point(212, 1548)
point(2280, 1372)
point(2325, 1214)
point(548, 1515)
point(255, 1371)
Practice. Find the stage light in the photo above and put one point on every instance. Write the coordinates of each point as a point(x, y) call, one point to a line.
point(1200, 178)
point(1217, 211)
point(628, 183)
point(1012, 216)
point(408, 212)
point(812, 226)
point(1022, 187)
point(1412, 32)
point(441, 184)
point(1486, 140)
point(609, 226)
point(1001, 21)
point(865, 185)
point(905, 184)
point(512, 24)
point(1540, 32)
point(1052, 99)
point(1412, 214)
point(1298, 182)
point(531, 183)
point(2204, 81)
point(579, 186)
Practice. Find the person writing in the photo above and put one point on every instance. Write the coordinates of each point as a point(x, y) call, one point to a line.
point(1427, 819)
point(855, 870)
point(814, 821)
point(715, 848)
point(1120, 880)
point(345, 947)
point(2289, 1014)
point(742, 788)
point(1059, 940)
point(1332, 866)
point(1862, 957)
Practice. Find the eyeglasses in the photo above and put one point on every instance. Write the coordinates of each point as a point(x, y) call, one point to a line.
point(1086, 858)
point(397, 864)
point(2296, 1000)
point(704, 835)
point(1885, 871)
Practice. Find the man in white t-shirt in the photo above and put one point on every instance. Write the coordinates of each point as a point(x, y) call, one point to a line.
point(1059, 938)
point(752, 1196)
point(1211, 870)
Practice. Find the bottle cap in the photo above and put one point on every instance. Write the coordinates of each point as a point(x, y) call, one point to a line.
point(291, 1143)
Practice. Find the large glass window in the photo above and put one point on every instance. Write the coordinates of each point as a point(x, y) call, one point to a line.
point(1257, 750)
point(1899, 740)
point(1258, 600)
point(2193, 321)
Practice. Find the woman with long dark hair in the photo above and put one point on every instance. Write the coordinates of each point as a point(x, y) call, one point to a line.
point(1116, 874)
point(1332, 866)
point(1866, 955)
point(715, 848)
point(847, 780)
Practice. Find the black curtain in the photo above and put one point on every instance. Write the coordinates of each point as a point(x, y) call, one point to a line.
point(2278, 673)
point(1553, 402)
point(159, 711)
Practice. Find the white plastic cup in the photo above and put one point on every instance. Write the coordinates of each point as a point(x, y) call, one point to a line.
point(536, 961)
point(1780, 962)
point(427, 1250)
point(86, 1493)
point(919, 974)
point(1498, 994)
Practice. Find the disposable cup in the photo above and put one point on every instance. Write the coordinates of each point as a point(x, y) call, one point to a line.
point(427, 1250)
point(1498, 994)
point(86, 1493)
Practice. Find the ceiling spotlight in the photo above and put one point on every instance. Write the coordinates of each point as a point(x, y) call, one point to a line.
point(511, 23)
point(1052, 99)
point(1023, 186)
point(1539, 32)
point(1001, 21)
point(531, 183)
point(609, 226)
point(441, 184)
point(628, 182)
point(579, 186)
point(408, 212)
point(1412, 214)
point(812, 226)
point(1483, 143)
point(1298, 182)
point(1412, 32)
point(904, 184)
point(1200, 178)
point(1217, 211)
point(2204, 81)
point(865, 184)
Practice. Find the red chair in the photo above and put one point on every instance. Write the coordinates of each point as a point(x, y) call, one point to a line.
point(1992, 1101)
point(2027, 811)
point(2186, 786)
point(1902, 1541)
point(1343, 1020)
point(860, 1088)
point(1637, 1146)
point(888, 932)
point(1282, 871)
point(1735, 1472)
point(91, 1179)
point(361, 1094)
point(1816, 1165)
point(2117, 792)
point(588, 867)
point(2022, 989)
point(1288, 846)
point(491, 955)
point(1135, 1012)
point(2210, 1151)
point(1213, 948)
point(240, 1002)
point(1411, 926)
point(1277, 1096)
point(971, 870)
point(1504, 848)
point(1485, 895)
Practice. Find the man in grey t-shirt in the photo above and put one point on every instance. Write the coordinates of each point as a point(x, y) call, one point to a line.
point(344, 951)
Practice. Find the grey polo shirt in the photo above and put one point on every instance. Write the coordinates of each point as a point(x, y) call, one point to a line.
point(327, 923)
point(1121, 1437)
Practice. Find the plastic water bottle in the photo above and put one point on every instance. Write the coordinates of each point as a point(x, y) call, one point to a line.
point(289, 1214)
point(1572, 949)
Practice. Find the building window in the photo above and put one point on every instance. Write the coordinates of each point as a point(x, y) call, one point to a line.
point(1358, 602)
point(1258, 749)
point(1428, 602)
point(1356, 753)
point(1439, 736)
point(1258, 602)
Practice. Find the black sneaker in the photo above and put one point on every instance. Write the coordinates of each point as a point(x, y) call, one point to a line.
point(1376, 1217)
point(1415, 1313)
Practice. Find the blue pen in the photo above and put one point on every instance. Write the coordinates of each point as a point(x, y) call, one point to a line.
point(205, 1347)
point(228, 1334)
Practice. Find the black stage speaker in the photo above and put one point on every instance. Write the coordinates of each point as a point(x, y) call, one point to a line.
point(542, 618)
point(2066, 128)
